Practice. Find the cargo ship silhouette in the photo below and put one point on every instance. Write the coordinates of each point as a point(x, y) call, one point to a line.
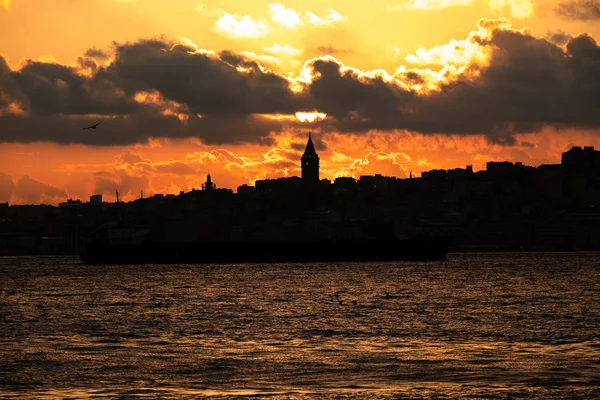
point(133, 246)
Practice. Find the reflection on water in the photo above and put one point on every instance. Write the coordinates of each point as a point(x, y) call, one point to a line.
point(487, 325)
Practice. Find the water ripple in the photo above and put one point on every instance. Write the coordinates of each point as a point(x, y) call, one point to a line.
point(492, 326)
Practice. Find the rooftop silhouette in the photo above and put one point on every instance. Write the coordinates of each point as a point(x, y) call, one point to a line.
point(507, 207)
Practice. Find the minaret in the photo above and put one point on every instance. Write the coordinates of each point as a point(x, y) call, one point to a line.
point(310, 163)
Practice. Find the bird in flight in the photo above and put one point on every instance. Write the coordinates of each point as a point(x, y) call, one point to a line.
point(93, 126)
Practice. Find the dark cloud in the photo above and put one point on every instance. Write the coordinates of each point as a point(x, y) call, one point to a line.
point(529, 83)
point(9, 91)
point(57, 89)
point(584, 10)
point(524, 143)
point(330, 50)
point(4, 68)
point(365, 103)
point(35, 192)
point(225, 104)
point(7, 187)
point(317, 140)
point(137, 128)
point(96, 53)
point(559, 37)
point(205, 83)
point(226, 98)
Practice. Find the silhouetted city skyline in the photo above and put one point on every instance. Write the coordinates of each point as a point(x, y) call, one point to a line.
point(508, 206)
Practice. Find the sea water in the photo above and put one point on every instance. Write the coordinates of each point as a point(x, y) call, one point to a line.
point(474, 326)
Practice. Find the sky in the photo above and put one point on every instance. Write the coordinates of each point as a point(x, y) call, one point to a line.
point(232, 88)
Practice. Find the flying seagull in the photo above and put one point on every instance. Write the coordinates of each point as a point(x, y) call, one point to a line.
point(93, 126)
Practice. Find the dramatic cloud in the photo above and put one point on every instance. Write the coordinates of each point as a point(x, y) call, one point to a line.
point(238, 26)
point(526, 84)
point(559, 37)
point(497, 82)
point(585, 10)
point(207, 83)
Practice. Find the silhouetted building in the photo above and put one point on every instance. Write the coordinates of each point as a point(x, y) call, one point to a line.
point(245, 189)
point(581, 158)
point(279, 185)
point(344, 183)
point(581, 178)
point(509, 206)
point(434, 175)
point(310, 164)
point(70, 203)
point(209, 185)
point(96, 199)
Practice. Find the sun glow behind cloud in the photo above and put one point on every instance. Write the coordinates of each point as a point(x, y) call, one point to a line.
point(428, 4)
point(310, 116)
point(514, 8)
point(459, 53)
point(165, 106)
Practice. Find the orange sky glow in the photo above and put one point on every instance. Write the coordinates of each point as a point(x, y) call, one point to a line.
point(187, 87)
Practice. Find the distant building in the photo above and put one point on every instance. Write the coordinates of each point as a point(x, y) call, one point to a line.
point(344, 183)
point(96, 199)
point(499, 169)
point(245, 189)
point(581, 158)
point(278, 185)
point(70, 203)
point(434, 175)
point(209, 185)
point(310, 164)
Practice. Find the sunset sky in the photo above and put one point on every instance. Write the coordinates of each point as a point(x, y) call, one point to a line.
point(184, 87)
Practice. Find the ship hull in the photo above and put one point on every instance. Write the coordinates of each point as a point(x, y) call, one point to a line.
point(412, 249)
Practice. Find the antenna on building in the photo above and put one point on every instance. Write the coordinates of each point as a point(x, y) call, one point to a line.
point(117, 192)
